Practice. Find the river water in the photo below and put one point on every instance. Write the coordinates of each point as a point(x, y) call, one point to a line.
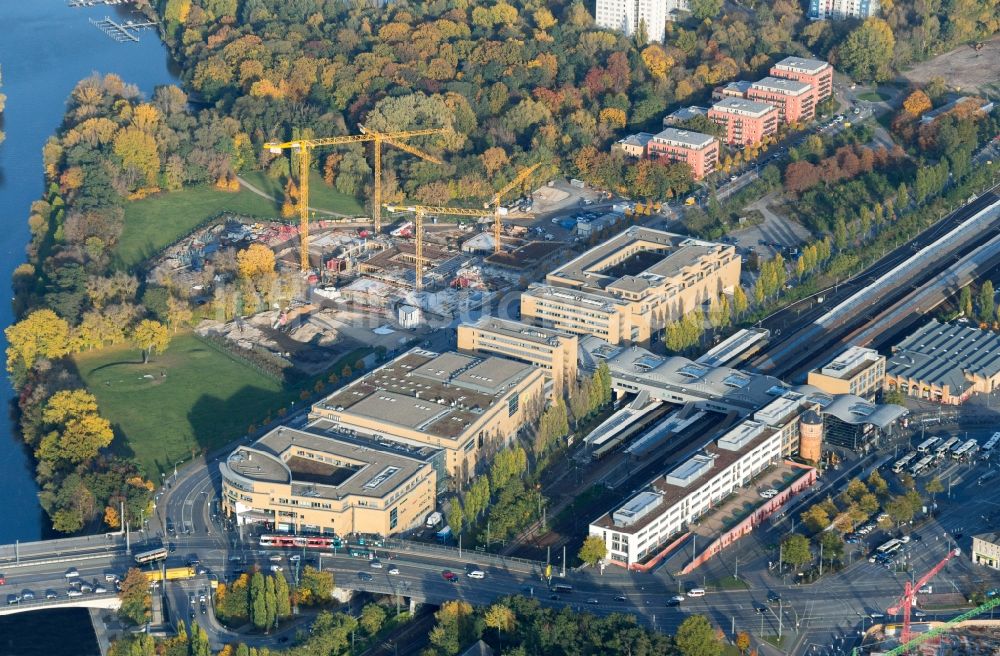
point(45, 49)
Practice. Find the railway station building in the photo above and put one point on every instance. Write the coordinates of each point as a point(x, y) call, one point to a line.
point(320, 481)
point(626, 289)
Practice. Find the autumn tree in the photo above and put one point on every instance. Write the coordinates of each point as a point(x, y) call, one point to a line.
point(795, 550)
point(134, 596)
point(372, 618)
point(866, 53)
point(151, 337)
point(917, 103)
point(42, 334)
point(499, 617)
point(696, 637)
point(593, 550)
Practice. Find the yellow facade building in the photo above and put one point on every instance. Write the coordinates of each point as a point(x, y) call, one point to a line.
point(452, 401)
point(321, 482)
point(552, 351)
point(858, 370)
point(630, 286)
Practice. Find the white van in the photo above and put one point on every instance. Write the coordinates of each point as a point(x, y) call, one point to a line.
point(696, 592)
point(477, 574)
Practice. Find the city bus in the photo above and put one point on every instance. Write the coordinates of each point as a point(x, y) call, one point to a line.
point(969, 448)
point(990, 443)
point(887, 549)
point(921, 465)
point(901, 464)
point(151, 556)
point(928, 444)
point(947, 446)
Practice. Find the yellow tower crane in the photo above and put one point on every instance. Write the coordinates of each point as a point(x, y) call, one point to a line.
point(303, 147)
point(419, 211)
point(495, 202)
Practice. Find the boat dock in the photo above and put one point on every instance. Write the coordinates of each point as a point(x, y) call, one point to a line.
point(94, 3)
point(122, 32)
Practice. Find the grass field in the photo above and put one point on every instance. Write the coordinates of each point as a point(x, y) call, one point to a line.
point(205, 400)
point(158, 221)
point(321, 196)
point(871, 96)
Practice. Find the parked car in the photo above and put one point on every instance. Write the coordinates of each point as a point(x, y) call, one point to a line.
point(51, 594)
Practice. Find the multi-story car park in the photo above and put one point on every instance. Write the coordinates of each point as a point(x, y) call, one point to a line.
point(630, 286)
point(647, 521)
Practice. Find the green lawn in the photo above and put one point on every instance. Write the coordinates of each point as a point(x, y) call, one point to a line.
point(205, 400)
point(872, 96)
point(321, 195)
point(158, 221)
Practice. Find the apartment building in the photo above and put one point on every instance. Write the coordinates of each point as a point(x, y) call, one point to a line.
point(452, 401)
point(811, 71)
point(697, 150)
point(627, 16)
point(627, 288)
point(796, 101)
point(746, 122)
point(737, 89)
point(841, 9)
point(986, 549)
point(649, 520)
point(634, 145)
point(858, 370)
point(552, 351)
point(327, 483)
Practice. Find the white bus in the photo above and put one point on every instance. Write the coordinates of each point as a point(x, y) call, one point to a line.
point(151, 556)
point(969, 448)
point(886, 549)
point(947, 446)
point(928, 444)
point(990, 443)
point(922, 465)
point(901, 464)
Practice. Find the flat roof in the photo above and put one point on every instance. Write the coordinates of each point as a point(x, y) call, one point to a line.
point(782, 85)
point(671, 377)
point(693, 470)
point(575, 297)
point(742, 106)
point(742, 86)
point(521, 331)
point(668, 255)
point(638, 139)
point(850, 363)
point(779, 410)
point(686, 138)
point(440, 394)
point(803, 65)
point(346, 466)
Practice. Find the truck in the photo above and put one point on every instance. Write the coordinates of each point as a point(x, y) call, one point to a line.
point(172, 574)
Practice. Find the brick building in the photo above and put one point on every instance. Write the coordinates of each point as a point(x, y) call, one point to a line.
point(699, 151)
point(746, 121)
point(796, 101)
point(811, 71)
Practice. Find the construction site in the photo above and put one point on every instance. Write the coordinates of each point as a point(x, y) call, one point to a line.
point(379, 282)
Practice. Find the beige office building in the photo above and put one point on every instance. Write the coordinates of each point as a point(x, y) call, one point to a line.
point(317, 481)
point(451, 401)
point(552, 351)
point(986, 550)
point(630, 286)
point(858, 370)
